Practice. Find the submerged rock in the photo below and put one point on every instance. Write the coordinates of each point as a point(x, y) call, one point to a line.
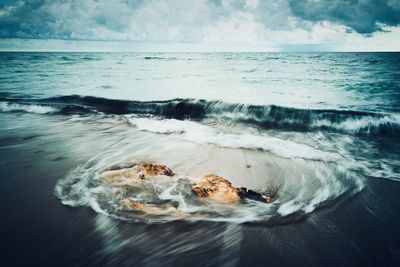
point(267, 197)
point(132, 172)
point(150, 209)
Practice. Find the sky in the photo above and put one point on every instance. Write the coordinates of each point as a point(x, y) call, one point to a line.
point(200, 25)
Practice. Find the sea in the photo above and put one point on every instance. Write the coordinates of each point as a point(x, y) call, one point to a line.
point(320, 130)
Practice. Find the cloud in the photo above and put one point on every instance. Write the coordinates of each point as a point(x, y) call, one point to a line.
point(363, 16)
point(123, 20)
point(213, 22)
point(67, 19)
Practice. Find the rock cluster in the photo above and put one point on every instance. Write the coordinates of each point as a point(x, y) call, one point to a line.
point(211, 187)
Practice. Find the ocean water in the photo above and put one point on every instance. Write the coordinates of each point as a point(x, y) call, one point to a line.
point(320, 129)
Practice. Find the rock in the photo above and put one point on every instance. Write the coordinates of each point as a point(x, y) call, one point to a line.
point(266, 197)
point(134, 173)
point(149, 169)
point(129, 179)
point(139, 206)
point(219, 189)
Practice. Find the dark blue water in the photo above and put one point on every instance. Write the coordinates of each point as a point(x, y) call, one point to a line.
point(321, 128)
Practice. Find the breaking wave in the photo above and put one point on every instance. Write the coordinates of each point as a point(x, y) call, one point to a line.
point(29, 108)
point(213, 136)
point(266, 117)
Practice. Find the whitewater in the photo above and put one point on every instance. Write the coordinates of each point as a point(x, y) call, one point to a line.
point(228, 114)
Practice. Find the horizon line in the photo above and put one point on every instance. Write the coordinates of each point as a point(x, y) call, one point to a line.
point(194, 51)
point(125, 46)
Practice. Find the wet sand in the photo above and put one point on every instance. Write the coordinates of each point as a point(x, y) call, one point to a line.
point(37, 230)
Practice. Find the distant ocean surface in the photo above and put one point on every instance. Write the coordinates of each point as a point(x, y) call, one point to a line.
point(323, 129)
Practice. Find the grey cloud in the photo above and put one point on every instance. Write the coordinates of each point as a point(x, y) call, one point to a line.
point(138, 20)
point(276, 16)
point(180, 20)
point(64, 19)
point(364, 16)
point(24, 20)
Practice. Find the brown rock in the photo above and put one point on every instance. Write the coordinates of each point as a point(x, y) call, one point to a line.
point(221, 190)
point(218, 189)
point(149, 169)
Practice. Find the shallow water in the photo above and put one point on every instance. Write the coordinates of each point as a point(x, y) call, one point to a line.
point(323, 129)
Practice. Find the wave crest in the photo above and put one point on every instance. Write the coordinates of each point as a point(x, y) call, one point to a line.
point(266, 117)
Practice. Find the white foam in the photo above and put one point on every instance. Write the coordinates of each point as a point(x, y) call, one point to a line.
point(166, 126)
point(201, 134)
point(300, 194)
point(306, 185)
point(290, 207)
point(9, 107)
point(367, 124)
